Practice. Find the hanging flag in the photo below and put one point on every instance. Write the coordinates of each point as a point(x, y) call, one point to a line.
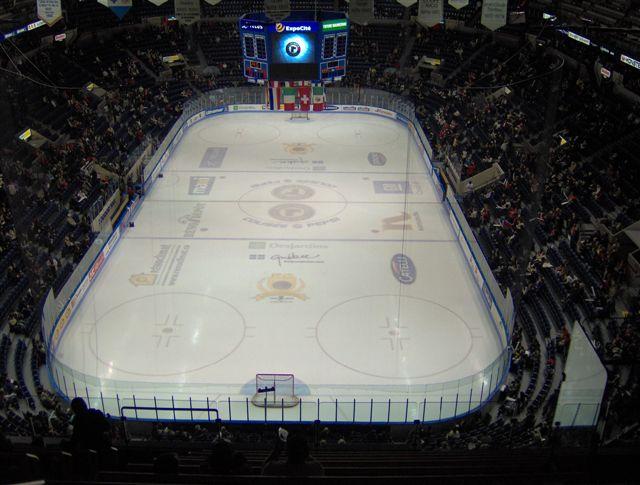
point(210, 2)
point(119, 7)
point(49, 11)
point(305, 98)
point(494, 14)
point(277, 10)
point(458, 4)
point(407, 3)
point(275, 94)
point(430, 12)
point(289, 98)
point(361, 11)
point(187, 11)
point(157, 3)
point(318, 98)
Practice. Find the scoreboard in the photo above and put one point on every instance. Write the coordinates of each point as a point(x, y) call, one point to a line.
point(308, 46)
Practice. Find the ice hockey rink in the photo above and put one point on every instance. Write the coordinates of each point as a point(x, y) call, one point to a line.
point(271, 245)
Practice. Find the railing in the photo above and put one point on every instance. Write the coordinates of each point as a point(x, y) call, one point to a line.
point(173, 409)
point(432, 402)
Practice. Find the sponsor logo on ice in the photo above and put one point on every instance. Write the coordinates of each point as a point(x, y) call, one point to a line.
point(298, 148)
point(200, 185)
point(293, 192)
point(165, 268)
point(403, 269)
point(292, 212)
point(281, 287)
point(401, 222)
point(392, 187)
point(377, 159)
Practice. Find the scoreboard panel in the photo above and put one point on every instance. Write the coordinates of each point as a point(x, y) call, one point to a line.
point(304, 46)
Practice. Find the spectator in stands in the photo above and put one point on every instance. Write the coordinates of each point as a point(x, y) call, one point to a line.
point(299, 462)
point(91, 430)
point(225, 461)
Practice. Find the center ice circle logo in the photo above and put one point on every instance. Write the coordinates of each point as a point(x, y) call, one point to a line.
point(292, 212)
point(292, 203)
point(293, 49)
point(293, 192)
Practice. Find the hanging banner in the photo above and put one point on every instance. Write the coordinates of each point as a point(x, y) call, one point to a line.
point(430, 12)
point(157, 3)
point(407, 3)
point(187, 11)
point(49, 11)
point(118, 7)
point(210, 2)
point(361, 11)
point(458, 4)
point(277, 10)
point(494, 14)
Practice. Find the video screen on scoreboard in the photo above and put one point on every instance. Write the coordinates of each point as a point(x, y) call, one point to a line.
point(293, 56)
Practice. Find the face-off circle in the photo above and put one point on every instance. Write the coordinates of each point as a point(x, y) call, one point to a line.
point(177, 332)
point(426, 336)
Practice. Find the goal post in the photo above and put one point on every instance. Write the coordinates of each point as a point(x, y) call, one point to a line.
point(275, 391)
point(299, 115)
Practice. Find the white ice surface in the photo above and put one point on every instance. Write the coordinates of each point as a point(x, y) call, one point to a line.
point(282, 263)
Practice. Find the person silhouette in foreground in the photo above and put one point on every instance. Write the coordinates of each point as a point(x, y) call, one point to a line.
point(225, 461)
point(298, 463)
point(91, 430)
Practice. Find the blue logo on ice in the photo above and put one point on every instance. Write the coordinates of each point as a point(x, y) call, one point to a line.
point(403, 269)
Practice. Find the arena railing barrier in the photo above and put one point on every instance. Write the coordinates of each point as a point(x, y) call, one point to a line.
point(398, 404)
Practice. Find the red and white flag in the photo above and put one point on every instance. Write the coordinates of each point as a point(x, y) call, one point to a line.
point(305, 98)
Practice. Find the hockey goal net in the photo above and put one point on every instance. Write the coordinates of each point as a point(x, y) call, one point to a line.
point(299, 115)
point(275, 391)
